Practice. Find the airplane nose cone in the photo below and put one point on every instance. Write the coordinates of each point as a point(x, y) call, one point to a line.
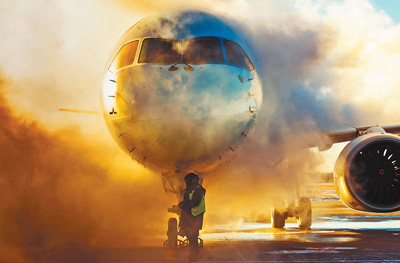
point(183, 118)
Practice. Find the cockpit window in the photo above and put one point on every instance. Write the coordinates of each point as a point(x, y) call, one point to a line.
point(125, 56)
point(158, 50)
point(202, 50)
point(237, 56)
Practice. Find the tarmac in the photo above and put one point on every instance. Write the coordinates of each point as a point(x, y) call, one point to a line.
point(338, 234)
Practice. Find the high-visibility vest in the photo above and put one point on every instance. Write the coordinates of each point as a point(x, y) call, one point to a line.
point(201, 208)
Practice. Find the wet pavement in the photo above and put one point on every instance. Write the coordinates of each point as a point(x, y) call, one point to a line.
point(338, 234)
point(328, 241)
point(269, 246)
point(342, 236)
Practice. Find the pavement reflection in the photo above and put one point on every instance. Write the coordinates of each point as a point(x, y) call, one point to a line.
point(342, 235)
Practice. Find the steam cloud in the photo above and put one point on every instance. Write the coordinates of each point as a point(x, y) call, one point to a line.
point(58, 190)
point(322, 64)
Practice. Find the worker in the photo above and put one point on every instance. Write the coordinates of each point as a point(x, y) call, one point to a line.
point(193, 208)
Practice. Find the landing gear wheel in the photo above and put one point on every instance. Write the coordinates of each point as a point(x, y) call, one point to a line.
point(278, 215)
point(172, 233)
point(304, 216)
point(277, 218)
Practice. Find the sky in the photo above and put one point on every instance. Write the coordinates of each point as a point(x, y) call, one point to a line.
point(390, 7)
point(323, 63)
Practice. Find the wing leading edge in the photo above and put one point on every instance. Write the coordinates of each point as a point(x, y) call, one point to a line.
point(82, 111)
point(351, 133)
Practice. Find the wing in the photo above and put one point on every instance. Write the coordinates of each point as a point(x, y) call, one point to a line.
point(82, 111)
point(351, 133)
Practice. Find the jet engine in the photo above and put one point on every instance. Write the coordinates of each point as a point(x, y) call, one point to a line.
point(367, 172)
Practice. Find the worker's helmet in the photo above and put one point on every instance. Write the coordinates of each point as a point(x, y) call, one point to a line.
point(191, 177)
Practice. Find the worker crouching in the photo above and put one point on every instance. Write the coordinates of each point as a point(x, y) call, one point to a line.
point(193, 208)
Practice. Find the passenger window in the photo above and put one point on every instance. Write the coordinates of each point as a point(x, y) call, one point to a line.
point(158, 50)
point(125, 56)
point(202, 50)
point(237, 56)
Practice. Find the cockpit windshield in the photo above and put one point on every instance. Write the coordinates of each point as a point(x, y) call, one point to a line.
point(125, 56)
point(237, 56)
point(158, 50)
point(199, 50)
point(202, 50)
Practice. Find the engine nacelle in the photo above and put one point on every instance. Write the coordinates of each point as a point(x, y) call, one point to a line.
point(367, 173)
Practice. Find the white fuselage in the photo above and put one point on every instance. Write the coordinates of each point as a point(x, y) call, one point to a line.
point(191, 114)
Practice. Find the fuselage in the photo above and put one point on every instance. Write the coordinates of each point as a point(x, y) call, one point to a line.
point(181, 93)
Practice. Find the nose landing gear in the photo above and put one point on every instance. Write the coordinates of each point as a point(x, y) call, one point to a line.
point(172, 233)
point(173, 242)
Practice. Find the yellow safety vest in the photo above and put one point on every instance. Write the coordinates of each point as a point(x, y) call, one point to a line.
point(201, 208)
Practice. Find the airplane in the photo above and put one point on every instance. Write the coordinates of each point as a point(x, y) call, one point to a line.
point(181, 94)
